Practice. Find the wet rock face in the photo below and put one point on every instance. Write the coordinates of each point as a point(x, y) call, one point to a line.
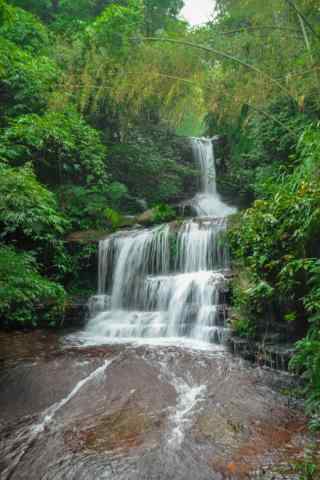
point(273, 354)
point(140, 413)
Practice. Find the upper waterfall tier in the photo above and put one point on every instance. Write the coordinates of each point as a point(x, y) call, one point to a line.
point(203, 153)
point(208, 202)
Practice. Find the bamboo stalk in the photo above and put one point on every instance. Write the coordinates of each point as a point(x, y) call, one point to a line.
point(305, 20)
point(221, 54)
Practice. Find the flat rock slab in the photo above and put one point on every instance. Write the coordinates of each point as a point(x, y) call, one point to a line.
point(128, 412)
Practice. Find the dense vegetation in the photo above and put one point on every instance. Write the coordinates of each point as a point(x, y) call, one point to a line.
point(70, 159)
point(271, 124)
point(92, 93)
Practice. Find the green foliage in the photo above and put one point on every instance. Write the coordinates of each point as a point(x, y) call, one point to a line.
point(23, 29)
point(262, 148)
point(308, 467)
point(55, 176)
point(116, 193)
point(86, 207)
point(27, 298)
point(61, 146)
point(41, 8)
point(157, 13)
point(163, 213)
point(65, 13)
point(30, 217)
point(27, 74)
point(274, 152)
point(191, 126)
point(309, 150)
point(276, 241)
point(273, 240)
point(251, 300)
point(243, 327)
point(307, 359)
point(116, 26)
point(114, 217)
point(81, 279)
point(151, 165)
point(26, 82)
point(27, 208)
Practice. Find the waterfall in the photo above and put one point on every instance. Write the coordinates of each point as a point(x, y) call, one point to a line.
point(204, 156)
point(168, 281)
point(208, 201)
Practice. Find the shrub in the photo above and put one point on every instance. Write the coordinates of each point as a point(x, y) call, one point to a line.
point(275, 241)
point(26, 81)
point(163, 213)
point(27, 298)
point(307, 360)
point(86, 207)
point(151, 164)
point(23, 29)
point(61, 146)
point(28, 208)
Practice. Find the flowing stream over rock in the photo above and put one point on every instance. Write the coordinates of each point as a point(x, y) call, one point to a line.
point(148, 391)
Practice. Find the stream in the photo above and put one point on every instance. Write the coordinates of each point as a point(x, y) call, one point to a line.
point(148, 390)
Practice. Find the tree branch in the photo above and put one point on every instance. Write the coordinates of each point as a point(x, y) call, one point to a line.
point(305, 20)
point(221, 54)
point(262, 27)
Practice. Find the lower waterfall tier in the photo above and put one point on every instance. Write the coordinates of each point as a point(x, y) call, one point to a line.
point(126, 324)
point(180, 305)
point(167, 281)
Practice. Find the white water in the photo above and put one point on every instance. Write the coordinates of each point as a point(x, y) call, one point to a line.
point(51, 412)
point(188, 397)
point(208, 202)
point(168, 281)
point(27, 436)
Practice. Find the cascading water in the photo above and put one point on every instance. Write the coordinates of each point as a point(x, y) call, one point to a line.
point(208, 202)
point(167, 281)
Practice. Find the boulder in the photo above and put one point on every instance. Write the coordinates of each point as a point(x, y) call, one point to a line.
point(146, 218)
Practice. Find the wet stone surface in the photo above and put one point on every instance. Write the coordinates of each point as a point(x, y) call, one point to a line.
point(126, 412)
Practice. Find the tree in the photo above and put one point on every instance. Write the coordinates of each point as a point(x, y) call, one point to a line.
point(26, 82)
point(151, 164)
point(27, 209)
point(27, 299)
point(157, 12)
point(24, 29)
point(61, 146)
point(31, 219)
point(27, 74)
point(64, 12)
